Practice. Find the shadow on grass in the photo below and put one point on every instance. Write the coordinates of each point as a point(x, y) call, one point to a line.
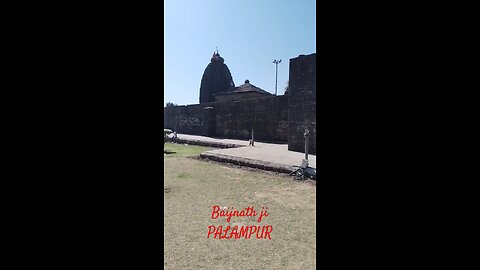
point(168, 152)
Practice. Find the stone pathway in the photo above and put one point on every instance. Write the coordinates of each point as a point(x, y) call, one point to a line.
point(267, 156)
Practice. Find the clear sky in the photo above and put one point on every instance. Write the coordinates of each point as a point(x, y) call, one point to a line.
point(249, 35)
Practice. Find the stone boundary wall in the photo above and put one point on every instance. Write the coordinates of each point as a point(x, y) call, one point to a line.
point(302, 103)
point(186, 119)
point(268, 116)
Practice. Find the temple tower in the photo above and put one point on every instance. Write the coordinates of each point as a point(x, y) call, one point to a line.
point(216, 79)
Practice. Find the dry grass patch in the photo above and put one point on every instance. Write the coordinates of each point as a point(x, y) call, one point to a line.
point(188, 209)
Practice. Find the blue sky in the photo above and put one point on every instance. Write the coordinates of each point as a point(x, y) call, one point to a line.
point(249, 35)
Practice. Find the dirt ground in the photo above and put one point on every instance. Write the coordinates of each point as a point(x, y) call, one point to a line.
point(192, 187)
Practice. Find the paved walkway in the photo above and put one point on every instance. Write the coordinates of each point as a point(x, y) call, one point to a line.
point(212, 142)
point(262, 155)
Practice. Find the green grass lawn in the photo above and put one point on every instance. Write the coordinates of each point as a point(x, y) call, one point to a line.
point(173, 150)
point(192, 187)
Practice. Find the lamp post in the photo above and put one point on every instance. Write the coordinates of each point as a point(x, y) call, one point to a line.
point(276, 73)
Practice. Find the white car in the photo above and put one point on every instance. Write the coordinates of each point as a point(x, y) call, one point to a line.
point(166, 132)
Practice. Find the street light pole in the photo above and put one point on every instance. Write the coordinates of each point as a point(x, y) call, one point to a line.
point(276, 73)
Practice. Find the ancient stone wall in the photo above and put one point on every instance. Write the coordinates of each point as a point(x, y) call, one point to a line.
point(302, 97)
point(239, 96)
point(268, 116)
point(185, 119)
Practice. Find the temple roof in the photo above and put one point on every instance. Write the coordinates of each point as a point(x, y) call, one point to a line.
point(217, 58)
point(246, 87)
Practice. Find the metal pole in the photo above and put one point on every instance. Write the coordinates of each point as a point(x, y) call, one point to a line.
point(276, 76)
point(306, 148)
point(306, 143)
point(253, 140)
point(276, 73)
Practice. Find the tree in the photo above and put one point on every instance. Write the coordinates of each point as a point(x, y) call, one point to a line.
point(171, 104)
